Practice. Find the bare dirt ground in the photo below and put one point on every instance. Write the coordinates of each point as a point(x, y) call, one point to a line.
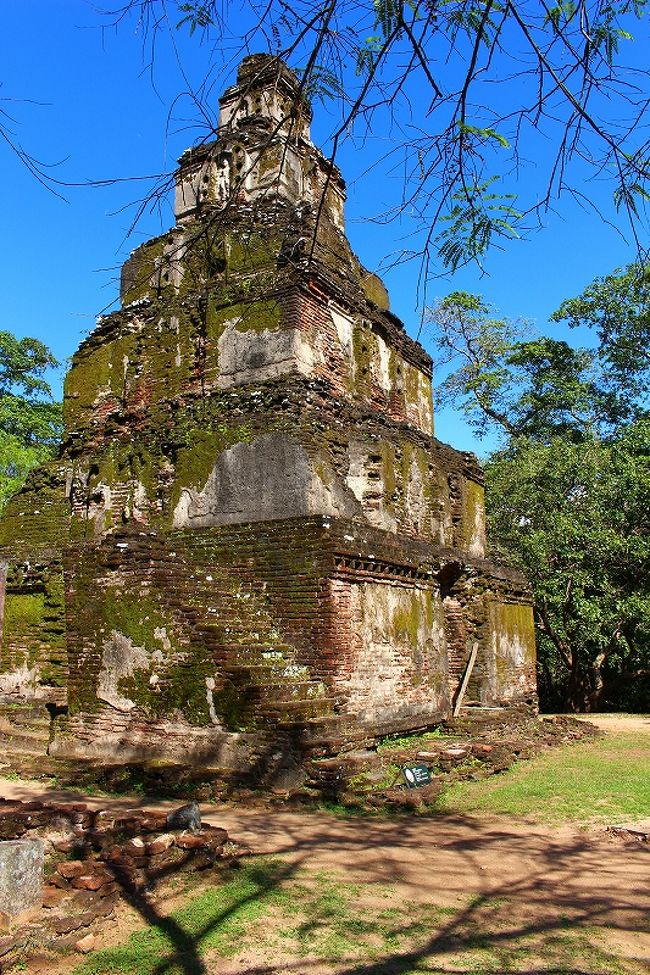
point(585, 878)
point(620, 722)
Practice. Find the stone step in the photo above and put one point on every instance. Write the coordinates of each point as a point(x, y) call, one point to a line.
point(22, 730)
point(22, 744)
point(306, 709)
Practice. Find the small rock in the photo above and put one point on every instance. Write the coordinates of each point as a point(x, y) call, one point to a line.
point(71, 868)
point(72, 807)
point(185, 817)
point(63, 846)
point(453, 754)
point(427, 756)
point(56, 880)
point(85, 944)
point(152, 822)
point(52, 897)
point(136, 847)
point(104, 819)
point(216, 836)
point(6, 944)
point(91, 881)
point(190, 841)
point(64, 925)
point(160, 844)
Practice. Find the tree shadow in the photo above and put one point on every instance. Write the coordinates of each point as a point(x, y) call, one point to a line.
point(186, 945)
point(563, 888)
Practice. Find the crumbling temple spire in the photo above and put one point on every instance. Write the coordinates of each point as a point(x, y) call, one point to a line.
point(252, 553)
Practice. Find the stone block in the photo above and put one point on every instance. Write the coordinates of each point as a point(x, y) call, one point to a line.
point(185, 817)
point(21, 876)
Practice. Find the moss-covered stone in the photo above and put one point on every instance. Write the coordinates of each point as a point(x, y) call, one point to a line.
point(375, 290)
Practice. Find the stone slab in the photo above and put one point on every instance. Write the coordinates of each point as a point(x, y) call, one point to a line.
point(21, 876)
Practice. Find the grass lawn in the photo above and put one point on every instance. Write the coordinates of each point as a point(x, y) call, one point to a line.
point(605, 780)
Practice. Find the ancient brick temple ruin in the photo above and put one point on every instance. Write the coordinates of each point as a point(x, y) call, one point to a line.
point(251, 552)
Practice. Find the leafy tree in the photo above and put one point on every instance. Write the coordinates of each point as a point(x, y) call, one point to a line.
point(576, 518)
point(535, 388)
point(569, 490)
point(465, 89)
point(617, 308)
point(30, 423)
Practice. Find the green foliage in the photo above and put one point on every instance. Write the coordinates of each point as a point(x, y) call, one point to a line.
point(568, 494)
point(617, 308)
point(482, 83)
point(195, 15)
point(576, 518)
point(476, 216)
point(30, 423)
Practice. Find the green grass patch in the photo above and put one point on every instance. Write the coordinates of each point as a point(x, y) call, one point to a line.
point(219, 918)
point(601, 780)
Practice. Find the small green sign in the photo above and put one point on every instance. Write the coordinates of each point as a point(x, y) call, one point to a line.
point(416, 776)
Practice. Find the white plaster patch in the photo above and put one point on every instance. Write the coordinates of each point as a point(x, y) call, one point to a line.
point(22, 682)
point(344, 329)
point(120, 659)
point(367, 487)
point(383, 372)
point(272, 477)
point(476, 528)
point(418, 398)
point(252, 356)
point(401, 656)
point(415, 503)
point(511, 666)
point(210, 685)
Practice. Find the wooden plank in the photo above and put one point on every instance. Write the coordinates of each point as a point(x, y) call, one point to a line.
point(465, 681)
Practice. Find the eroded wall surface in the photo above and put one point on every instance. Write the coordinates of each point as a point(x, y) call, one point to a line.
point(252, 545)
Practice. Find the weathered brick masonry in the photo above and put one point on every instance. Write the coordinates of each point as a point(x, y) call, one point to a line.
point(252, 552)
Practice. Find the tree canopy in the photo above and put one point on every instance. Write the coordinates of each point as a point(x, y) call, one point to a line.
point(568, 491)
point(30, 423)
point(466, 93)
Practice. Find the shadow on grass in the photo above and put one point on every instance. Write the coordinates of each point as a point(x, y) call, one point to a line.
point(561, 892)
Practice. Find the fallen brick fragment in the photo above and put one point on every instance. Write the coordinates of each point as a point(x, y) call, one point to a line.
point(71, 868)
point(85, 944)
point(191, 841)
point(90, 881)
point(159, 844)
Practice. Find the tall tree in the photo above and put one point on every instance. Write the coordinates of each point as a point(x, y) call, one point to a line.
point(569, 490)
point(30, 422)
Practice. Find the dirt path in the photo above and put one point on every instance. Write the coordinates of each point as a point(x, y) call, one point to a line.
point(587, 876)
point(639, 723)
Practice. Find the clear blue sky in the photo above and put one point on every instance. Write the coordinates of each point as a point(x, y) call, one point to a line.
point(83, 98)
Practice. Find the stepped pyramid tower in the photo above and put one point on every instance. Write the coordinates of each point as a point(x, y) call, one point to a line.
point(251, 552)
